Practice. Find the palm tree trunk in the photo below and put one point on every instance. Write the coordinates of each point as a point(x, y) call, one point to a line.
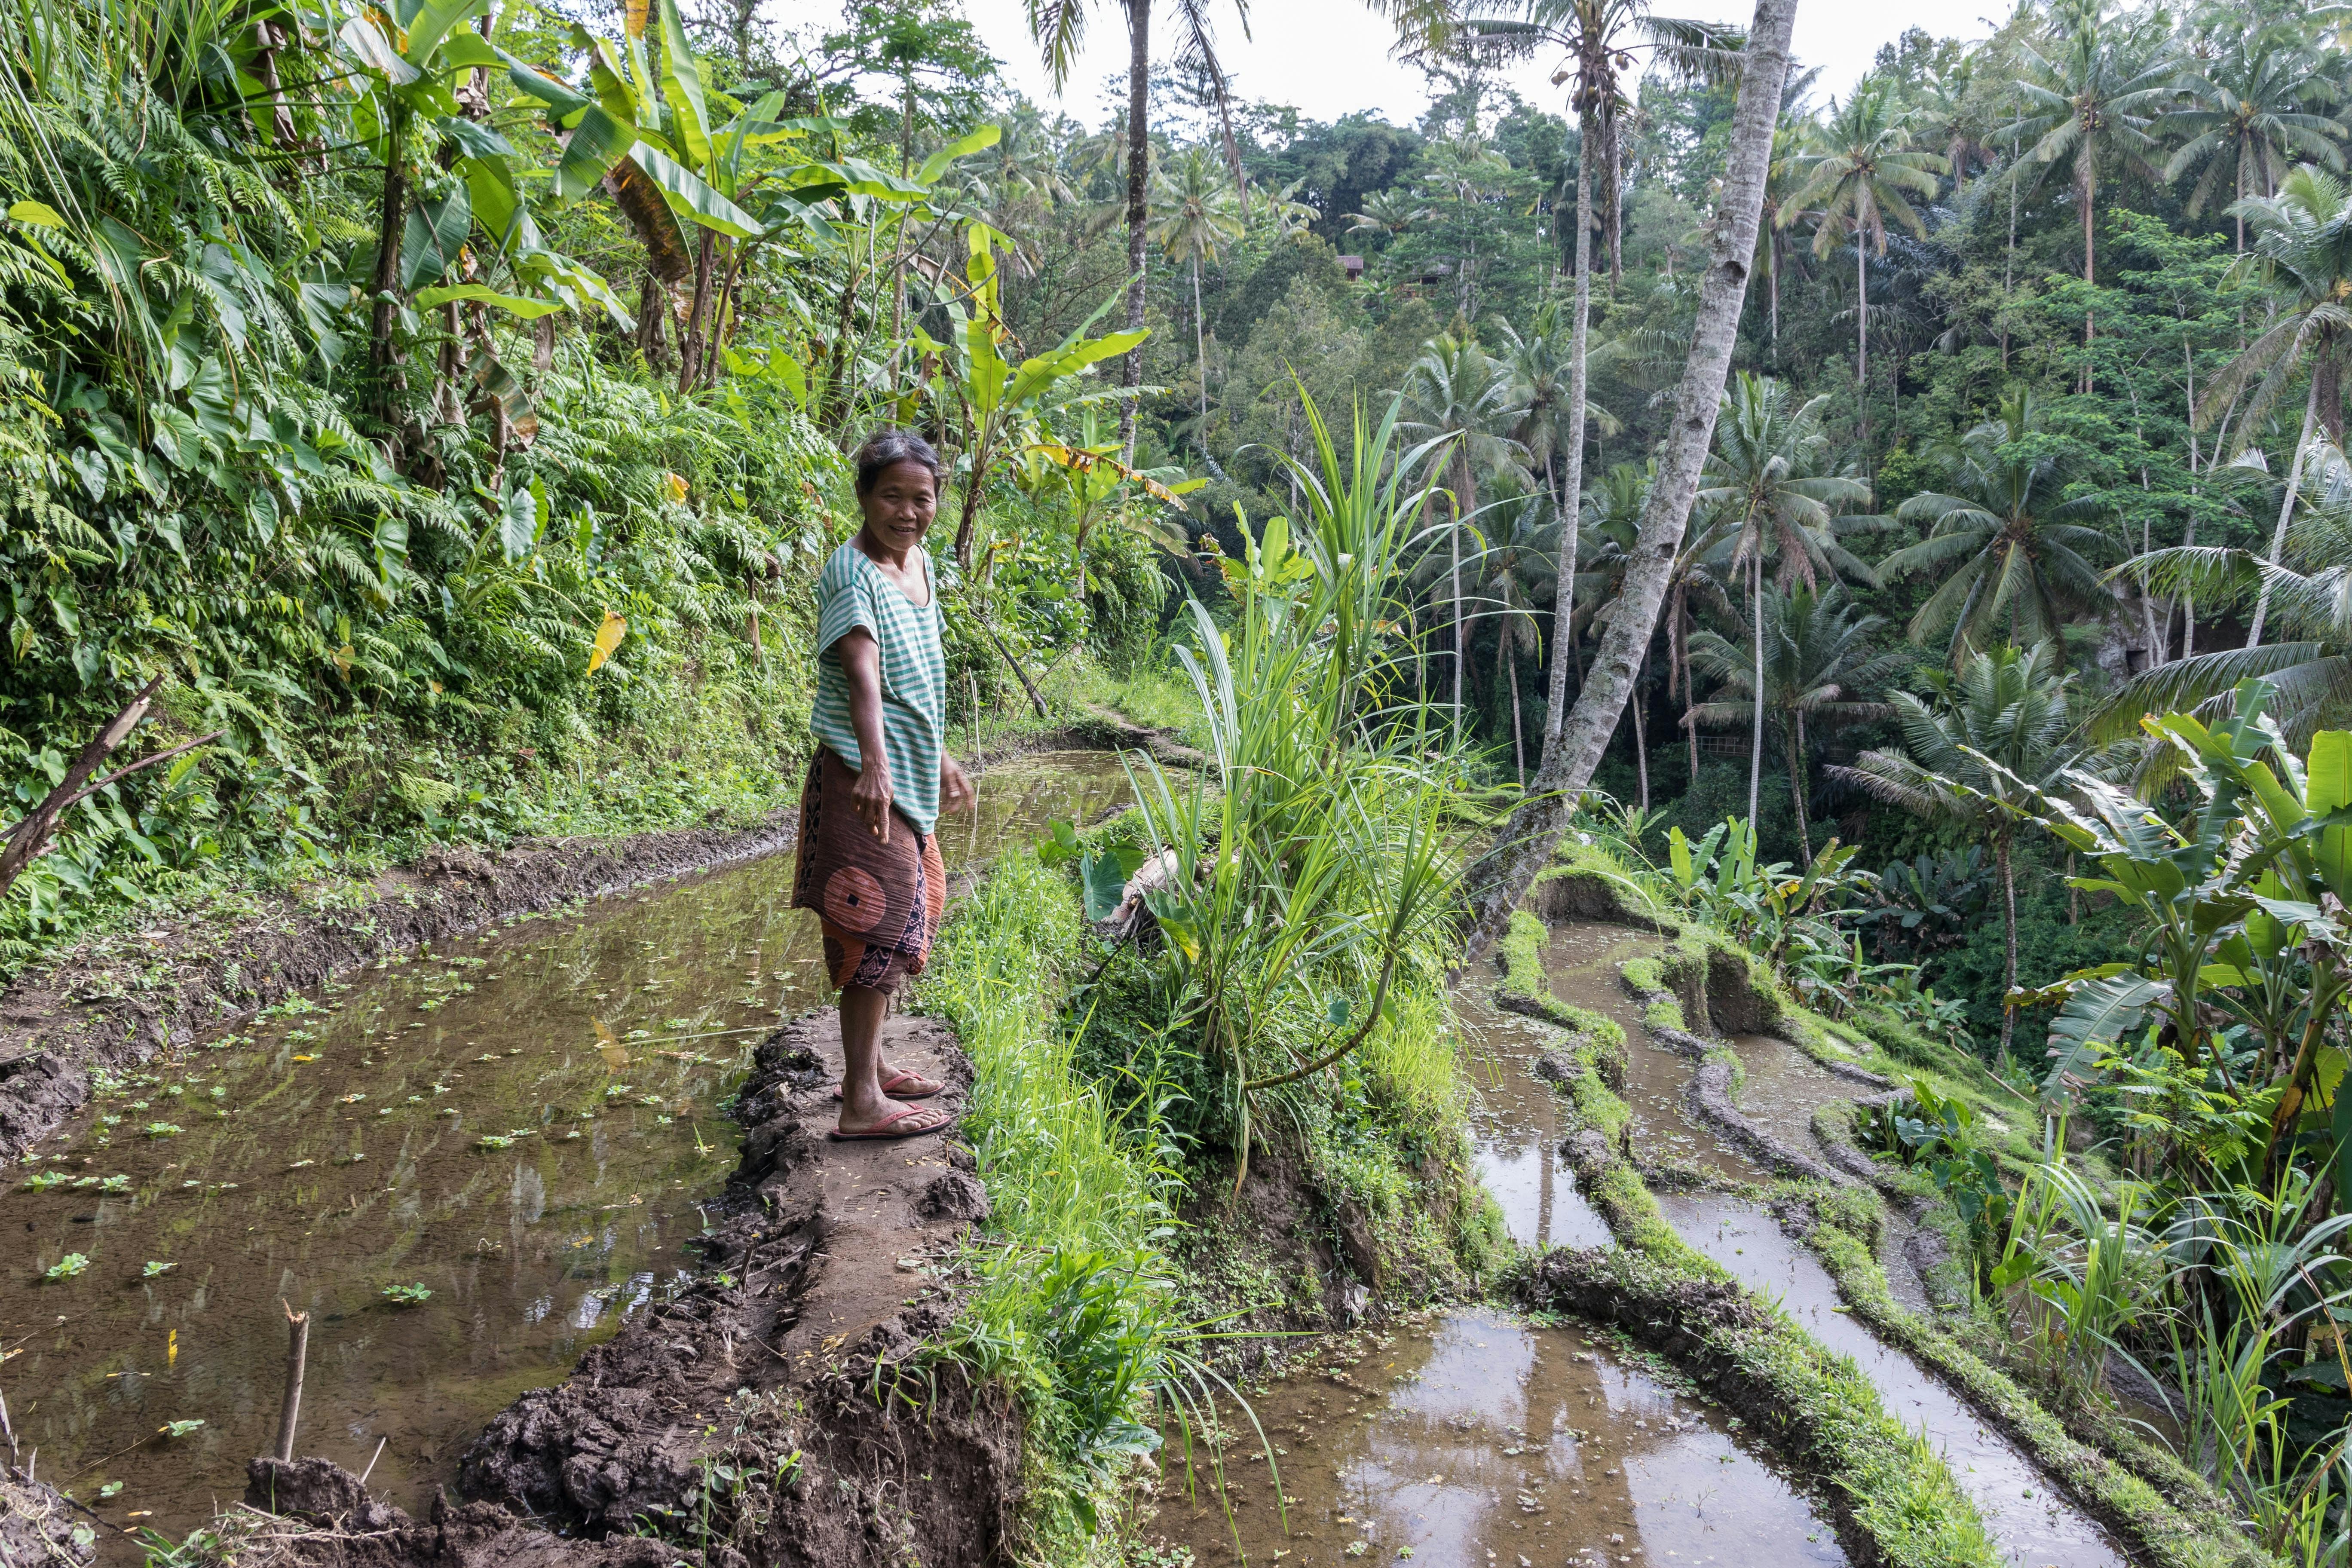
point(1862, 339)
point(1678, 665)
point(1454, 588)
point(1756, 690)
point(2090, 187)
point(1201, 351)
point(1797, 787)
point(1139, 166)
point(1564, 630)
point(2286, 510)
point(1642, 733)
point(1501, 879)
point(2008, 941)
point(1518, 747)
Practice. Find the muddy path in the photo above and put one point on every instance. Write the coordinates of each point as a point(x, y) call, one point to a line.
point(528, 1134)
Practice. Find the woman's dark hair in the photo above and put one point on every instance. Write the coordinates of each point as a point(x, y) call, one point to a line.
point(886, 449)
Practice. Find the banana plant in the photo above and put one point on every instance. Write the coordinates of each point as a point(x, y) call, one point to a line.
point(995, 402)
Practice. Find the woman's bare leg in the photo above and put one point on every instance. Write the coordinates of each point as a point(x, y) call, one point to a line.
point(863, 1103)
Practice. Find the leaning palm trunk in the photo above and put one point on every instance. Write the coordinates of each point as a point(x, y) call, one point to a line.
point(2286, 510)
point(1518, 746)
point(1500, 879)
point(1756, 687)
point(1563, 616)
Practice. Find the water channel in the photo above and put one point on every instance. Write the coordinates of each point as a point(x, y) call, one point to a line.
point(512, 1132)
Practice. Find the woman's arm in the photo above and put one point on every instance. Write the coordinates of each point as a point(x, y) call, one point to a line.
point(861, 660)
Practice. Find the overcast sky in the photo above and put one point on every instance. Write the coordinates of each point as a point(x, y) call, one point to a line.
point(1330, 58)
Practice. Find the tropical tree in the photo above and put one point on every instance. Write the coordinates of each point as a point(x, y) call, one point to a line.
point(2089, 101)
point(1817, 657)
point(2013, 552)
point(1498, 882)
point(1977, 748)
point(1457, 393)
point(1601, 38)
point(1543, 367)
point(1611, 526)
point(1199, 214)
point(2303, 258)
point(1767, 480)
point(1517, 572)
point(2249, 117)
point(1860, 169)
point(1388, 212)
point(1059, 27)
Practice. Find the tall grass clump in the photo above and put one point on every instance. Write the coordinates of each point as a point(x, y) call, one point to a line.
point(1305, 917)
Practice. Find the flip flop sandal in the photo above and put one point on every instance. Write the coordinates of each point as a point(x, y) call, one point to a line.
point(890, 1087)
point(882, 1130)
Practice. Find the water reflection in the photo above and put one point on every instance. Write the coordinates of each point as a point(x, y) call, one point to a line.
point(517, 1125)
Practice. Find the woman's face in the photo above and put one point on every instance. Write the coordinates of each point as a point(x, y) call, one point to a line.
point(899, 508)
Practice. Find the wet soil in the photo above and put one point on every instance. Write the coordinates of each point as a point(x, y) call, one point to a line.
point(1517, 1124)
point(2035, 1526)
point(522, 1132)
point(1474, 1438)
point(1580, 961)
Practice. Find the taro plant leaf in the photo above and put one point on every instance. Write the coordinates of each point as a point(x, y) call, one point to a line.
point(1060, 845)
point(482, 293)
point(1106, 883)
point(522, 520)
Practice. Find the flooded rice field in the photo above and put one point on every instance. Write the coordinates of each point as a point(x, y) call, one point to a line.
point(467, 1165)
point(1472, 1439)
point(1517, 1124)
point(2036, 1526)
point(1580, 961)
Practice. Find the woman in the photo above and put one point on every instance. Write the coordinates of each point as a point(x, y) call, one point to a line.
point(869, 864)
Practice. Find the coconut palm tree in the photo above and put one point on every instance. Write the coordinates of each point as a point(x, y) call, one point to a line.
point(2014, 553)
point(2303, 256)
point(1517, 573)
point(1198, 212)
point(2248, 118)
point(1059, 30)
point(1817, 658)
point(2090, 101)
point(1968, 745)
point(1601, 38)
point(1542, 365)
point(1457, 390)
point(1388, 212)
point(1768, 477)
point(1495, 886)
point(1860, 171)
point(2309, 597)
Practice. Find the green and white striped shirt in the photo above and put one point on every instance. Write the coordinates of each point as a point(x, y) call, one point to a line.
point(852, 592)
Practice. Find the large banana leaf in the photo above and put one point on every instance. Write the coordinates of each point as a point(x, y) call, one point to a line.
point(682, 89)
point(529, 78)
point(605, 76)
point(2100, 1011)
point(691, 196)
point(432, 24)
point(962, 147)
point(498, 204)
point(365, 42)
point(435, 232)
point(598, 141)
point(482, 293)
point(1043, 370)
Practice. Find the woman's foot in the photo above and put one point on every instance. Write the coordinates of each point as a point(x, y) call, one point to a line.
point(895, 1121)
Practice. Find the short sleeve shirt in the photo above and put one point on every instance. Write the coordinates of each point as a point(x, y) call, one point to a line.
point(852, 592)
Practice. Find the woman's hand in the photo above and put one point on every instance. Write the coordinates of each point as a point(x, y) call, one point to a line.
point(870, 797)
point(955, 788)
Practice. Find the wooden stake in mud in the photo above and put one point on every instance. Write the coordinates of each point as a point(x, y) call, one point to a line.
point(297, 1345)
